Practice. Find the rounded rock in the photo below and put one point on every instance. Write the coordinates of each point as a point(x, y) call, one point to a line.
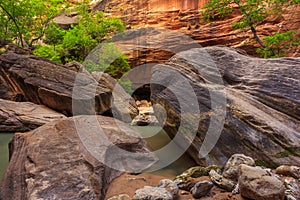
point(201, 189)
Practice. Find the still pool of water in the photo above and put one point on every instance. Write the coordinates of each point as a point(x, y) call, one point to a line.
point(4, 140)
point(157, 138)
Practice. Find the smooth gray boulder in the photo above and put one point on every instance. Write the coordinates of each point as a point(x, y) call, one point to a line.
point(261, 109)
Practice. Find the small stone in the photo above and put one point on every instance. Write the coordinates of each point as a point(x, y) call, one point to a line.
point(170, 186)
point(120, 197)
point(292, 171)
point(221, 182)
point(183, 192)
point(257, 183)
point(232, 165)
point(201, 189)
point(186, 180)
point(152, 193)
point(236, 190)
point(144, 120)
point(290, 197)
point(292, 190)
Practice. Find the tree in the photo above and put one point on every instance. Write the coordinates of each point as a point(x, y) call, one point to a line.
point(77, 42)
point(252, 11)
point(25, 21)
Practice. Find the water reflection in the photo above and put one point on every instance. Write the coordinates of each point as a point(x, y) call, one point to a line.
point(159, 140)
point(5, 138)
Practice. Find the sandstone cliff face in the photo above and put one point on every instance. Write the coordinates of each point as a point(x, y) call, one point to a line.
point(185, 18)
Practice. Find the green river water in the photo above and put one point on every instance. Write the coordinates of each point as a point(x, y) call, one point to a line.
point(4, 140)
point(155, 137)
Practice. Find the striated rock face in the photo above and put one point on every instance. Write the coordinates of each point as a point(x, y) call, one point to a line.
point(262, 105)
point(186, 18)
point(150, 5)
point(65, 88)
point(5, 92)
point(61, 160)
point(24, 116)
point(44, 82)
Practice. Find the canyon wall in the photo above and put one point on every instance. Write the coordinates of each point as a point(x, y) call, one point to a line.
point(185, 17)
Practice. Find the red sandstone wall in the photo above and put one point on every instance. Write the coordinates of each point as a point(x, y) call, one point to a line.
point(168, 5)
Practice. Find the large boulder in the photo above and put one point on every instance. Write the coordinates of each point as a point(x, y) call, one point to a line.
point(44, 82)
point(24, 116)
point(258, 98)
point(73, 158)
point(232, 165)
point(68, 88)
point(257, 183)
point(124, 106)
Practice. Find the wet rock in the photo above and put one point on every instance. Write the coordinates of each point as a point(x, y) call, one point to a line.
point(221, 182)
point(232, 165)
point(259, 184)
point(292, 171)
point(170, 186)
point(201, 189)
point(72, 158)
point(187, 179)
point(152, 193)
point(260, 108)
point(24, 116)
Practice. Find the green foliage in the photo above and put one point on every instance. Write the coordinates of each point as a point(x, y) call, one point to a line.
point(108, 58)
point(83, 37)
point(126, 85)
point(24, 21)
point(54, 35)
point(278, 44)
point(77, 42)
point(254, 12)
point(50, 52)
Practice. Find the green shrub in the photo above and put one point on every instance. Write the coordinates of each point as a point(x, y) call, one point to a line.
point(278, 44)
point(49, 51)
point(108, 58)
